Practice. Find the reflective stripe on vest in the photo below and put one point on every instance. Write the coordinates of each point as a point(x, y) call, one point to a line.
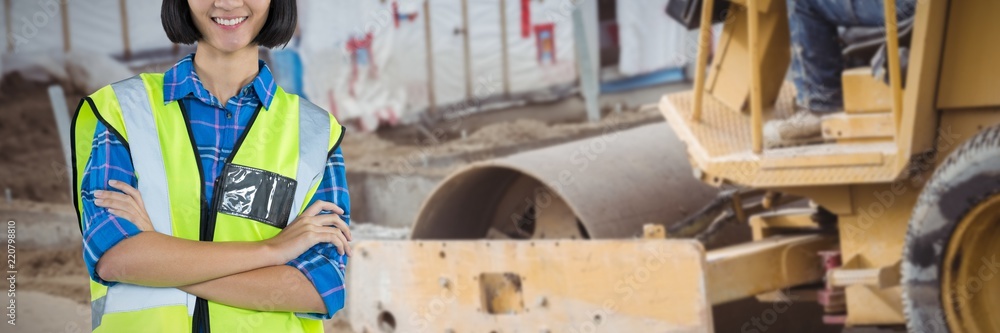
point(147, 160)
point(139, 112)
point(313, 122)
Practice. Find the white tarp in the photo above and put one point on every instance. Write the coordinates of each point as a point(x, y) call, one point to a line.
point(97, 25)
point(145, 27)
point(486, 48)
point(527, 72)
point(394, 83)
point(411, 70)
point(36, 25)
point(37, 40)
point(448, 56)
point(650, 40)
point(346, 49)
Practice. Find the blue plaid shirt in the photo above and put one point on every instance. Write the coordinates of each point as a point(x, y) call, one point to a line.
point(216, 128)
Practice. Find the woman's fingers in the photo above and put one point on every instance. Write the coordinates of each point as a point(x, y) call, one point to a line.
point(334, 236)
point(336, 242)
point(121, 213)
point(313, 209)
point(128, 189)
point(343, 239)
point(320, 206)
point(337, 239)
point(117, 196)
point(139, 222)
point(123, 206)
point(323, 220)
point(344, 228)
point(330, 220)
point(116, 203)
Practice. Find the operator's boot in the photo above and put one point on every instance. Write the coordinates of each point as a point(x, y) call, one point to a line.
point(804, 127)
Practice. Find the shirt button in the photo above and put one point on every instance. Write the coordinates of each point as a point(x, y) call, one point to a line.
point(229, 115)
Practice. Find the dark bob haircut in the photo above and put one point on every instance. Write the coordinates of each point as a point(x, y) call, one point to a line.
point(277, 31)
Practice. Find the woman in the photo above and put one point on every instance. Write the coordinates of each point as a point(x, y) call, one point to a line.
point(204, 193)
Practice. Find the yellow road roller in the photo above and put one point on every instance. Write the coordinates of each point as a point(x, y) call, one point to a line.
point(892, 220)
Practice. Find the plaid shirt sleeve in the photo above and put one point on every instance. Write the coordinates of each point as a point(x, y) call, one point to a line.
point(321, 264)
point(109, 159)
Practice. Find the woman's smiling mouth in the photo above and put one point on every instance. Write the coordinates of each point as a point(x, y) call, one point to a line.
point(230, 22)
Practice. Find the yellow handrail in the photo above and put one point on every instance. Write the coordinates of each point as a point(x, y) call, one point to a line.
point(704, 44)
point(756, 94)
point(892, 54)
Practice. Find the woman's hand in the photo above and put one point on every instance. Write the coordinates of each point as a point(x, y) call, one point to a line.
point(127, 204)
point(310, 229)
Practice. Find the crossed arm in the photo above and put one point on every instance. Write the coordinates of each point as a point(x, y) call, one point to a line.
point(121, 246)
point(234, 274)
point(254, 290)
point(247, 284)
point(231, 273)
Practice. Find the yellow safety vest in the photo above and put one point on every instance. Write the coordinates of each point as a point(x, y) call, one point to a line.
point(274, 169)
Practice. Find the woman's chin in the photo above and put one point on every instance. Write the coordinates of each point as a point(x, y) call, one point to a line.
point(231, 46)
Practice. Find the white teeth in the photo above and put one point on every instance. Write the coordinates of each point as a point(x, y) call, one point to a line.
point(229, 22)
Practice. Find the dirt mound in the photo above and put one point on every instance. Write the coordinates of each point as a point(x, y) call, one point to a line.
point(58, 272)
point(370, 231)
point(31, 158)
point(370, 152)
point(516, 131)
point(49, 263)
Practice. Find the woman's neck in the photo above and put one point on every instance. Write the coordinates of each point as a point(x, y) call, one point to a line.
point(225, 73)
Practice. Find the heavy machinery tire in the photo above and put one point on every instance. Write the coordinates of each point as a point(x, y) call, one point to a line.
point(951, 281)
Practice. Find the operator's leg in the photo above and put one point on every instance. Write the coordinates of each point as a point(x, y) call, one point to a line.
point(816, 49)
point(817, 63)
point(870, 13)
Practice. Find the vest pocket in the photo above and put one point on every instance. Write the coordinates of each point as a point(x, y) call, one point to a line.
point(255, 194)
